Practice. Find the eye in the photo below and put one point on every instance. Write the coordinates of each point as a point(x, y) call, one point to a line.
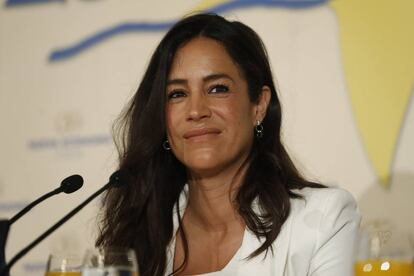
point(176, 94)
point(219, 88)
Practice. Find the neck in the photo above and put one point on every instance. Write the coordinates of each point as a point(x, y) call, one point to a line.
point(212, 205)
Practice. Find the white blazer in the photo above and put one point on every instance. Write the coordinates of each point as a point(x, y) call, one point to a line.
point(317, 239)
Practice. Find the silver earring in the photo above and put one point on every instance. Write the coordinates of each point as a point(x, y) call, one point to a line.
point(258, 129)
point(166, 145)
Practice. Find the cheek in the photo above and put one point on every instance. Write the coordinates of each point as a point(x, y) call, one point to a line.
point(239, 117)
point(245, 126)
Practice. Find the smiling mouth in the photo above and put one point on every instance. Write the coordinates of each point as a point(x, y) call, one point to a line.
point(201, 133)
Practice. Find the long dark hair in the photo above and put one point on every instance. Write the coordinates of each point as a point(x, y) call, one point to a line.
point(140, 215)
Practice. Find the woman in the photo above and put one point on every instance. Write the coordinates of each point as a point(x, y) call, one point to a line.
point(212, 190)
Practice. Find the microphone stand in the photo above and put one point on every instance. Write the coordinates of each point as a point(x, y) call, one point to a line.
point(68, 185)
point(5, 225)
point(34, 203)
point(6, 269)
point(4, 231)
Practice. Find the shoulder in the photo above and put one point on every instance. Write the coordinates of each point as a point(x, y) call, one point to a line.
point(324, 210)
point(323, 227)
point(326, 201)
point(324, 193)
point(324, 220)
point(323, 213)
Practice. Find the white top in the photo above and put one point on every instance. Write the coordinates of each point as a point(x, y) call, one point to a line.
point(317, 239)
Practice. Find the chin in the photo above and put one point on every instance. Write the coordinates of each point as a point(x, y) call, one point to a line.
point(202, 164)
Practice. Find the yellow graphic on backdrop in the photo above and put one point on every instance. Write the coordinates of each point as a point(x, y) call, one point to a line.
point(377, 40)
point(206, 4)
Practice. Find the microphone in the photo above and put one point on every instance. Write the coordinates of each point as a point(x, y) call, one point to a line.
point(68, 185)
point(117, 179)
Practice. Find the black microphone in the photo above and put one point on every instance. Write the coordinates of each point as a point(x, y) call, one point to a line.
point(68, 185)
point(117, 179)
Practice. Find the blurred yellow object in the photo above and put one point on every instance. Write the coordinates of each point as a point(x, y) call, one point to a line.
point(383, 267)
point(60, 273)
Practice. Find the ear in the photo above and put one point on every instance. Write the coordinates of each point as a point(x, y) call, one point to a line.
point(262, 104)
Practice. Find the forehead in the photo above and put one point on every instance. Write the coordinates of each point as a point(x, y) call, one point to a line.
point(202, 56)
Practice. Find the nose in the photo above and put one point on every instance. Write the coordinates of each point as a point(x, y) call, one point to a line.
point(198, 107)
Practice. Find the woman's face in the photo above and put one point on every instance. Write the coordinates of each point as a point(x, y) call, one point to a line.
point(210, 119)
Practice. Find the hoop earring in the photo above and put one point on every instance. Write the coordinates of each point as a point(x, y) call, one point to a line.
point(166, 145)
point(258, 129)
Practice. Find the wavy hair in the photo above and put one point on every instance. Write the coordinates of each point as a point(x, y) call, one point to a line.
point(140, 214)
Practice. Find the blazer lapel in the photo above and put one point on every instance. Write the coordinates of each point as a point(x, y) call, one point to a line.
point(274, 264)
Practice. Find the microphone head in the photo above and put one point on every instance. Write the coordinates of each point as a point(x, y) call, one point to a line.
point(71, 184)
point(118, 178)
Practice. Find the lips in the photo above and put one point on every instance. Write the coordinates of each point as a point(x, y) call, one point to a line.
point(200, 132)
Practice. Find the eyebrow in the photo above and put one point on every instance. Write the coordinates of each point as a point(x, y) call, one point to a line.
point(205, 79)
